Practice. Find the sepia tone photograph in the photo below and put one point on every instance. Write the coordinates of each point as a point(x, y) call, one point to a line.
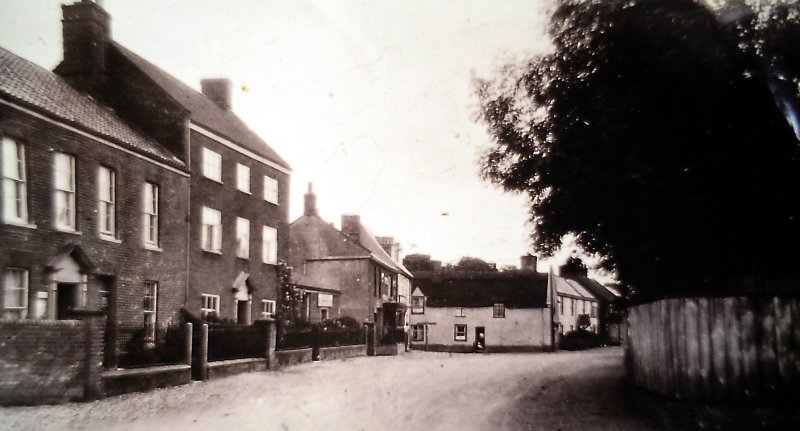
point(400, 215)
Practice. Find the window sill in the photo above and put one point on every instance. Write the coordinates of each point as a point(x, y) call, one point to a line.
point(68, 230)
point(247, 193)
point(271, 203)
point(213, 179)
point(215, 252)
point(461, 341)
point(243, 258)
point(21, 224)
point(270, 263)
point(153, 247)
point(110, 238)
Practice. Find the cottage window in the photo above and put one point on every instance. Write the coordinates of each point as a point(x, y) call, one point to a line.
point(323, 313)
point(151, 214)
point(15, 294)
point(149, 307)
point(65, 191)
point(107, 197)
point(212, 165)
point(15, 187)
point(499, 311)
point(460, 333)
point(561, 304)
point(594, 309)
point(460, 312)
point(270, 245)
point(270, 190)
point(243, 178)
point(417, 305)
point(572, 306)
point(267, 308)
point(417, 332)
point(242, 238)
point(210, 305)
point(212, 230)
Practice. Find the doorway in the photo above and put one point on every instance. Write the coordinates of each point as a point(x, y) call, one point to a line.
point(243, 312)
point(480, 338)
point(67, 298)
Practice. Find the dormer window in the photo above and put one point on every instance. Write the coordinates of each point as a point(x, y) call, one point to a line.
point(417, 305)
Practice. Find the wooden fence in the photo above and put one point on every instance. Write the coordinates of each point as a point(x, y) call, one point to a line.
point(732, 351)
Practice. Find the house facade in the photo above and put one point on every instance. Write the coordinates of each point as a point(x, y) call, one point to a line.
point(347, 272)
point(576, 306)
point(237, 222)
point(91, 210)
point(476, 311)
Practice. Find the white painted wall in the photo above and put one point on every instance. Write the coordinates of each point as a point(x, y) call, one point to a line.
point(520, 327)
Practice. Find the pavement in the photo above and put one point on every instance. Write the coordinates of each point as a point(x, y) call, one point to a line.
point(416, 391)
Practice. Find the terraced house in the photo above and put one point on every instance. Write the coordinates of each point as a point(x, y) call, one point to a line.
point(125, 190)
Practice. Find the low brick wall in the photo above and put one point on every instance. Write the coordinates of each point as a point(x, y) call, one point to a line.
point(50, 361)
point(292, 356)
point(118, 382)
point(343, 352)
point(219, 369)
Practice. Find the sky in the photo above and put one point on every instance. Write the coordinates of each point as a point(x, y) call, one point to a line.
point(372, 101)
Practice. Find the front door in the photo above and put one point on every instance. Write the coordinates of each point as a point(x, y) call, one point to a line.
point(66, 299)
point(480, 339)
point(242, 312)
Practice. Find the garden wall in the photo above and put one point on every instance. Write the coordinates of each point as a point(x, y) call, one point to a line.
point(50, 361)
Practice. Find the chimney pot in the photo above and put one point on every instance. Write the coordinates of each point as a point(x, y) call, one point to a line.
point(351, 226)
point(219, 90)
point(528, 262)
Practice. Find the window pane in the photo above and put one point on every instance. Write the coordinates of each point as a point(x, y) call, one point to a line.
point(242, 237)
point(243, 178)
point(270, 245)
point(212, 165)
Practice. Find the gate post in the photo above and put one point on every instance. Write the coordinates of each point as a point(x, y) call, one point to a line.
point(369, 327)
point(270, 333)
point(203, 356)
point(187, 343)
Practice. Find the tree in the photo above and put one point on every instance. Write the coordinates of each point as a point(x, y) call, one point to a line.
point(474, 264)
point(656, 134)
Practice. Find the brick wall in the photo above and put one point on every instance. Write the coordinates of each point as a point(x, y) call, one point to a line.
point(125, 264)
point(50, 361)
point(213, 273)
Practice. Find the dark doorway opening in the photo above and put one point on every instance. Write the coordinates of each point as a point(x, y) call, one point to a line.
point(66, 299)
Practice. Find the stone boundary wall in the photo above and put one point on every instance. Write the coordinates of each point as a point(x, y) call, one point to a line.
point(292, 356)
point(342, 352)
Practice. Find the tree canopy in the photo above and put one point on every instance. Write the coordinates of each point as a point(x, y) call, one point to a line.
point(660, 133)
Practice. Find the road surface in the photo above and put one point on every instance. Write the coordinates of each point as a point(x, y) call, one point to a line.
point(416, 391)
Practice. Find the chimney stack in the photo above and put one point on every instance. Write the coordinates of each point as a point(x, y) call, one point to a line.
point(219, 90)
point(310, 202)
point(528, 262)
point(86, 31)
point(351, 226)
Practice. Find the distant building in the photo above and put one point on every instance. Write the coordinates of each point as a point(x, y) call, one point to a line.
point(456, 310)
point(348, 272)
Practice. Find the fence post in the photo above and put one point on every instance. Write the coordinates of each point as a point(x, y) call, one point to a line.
point(369, 327)
point(270, 333)
point(187, 343)
point(203, 356)
point(315, 343)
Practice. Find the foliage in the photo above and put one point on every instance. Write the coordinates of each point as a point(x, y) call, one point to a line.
point(418, 262)
point(573, 266)
point(580, 339)
point(656, 134)
point(289, 298)
point(473, 264)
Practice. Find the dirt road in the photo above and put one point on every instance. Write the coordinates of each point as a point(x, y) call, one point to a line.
point(417, 391)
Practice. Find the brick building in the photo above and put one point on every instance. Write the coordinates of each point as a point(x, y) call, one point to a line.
point(126, 190)
point(349, 269)
point(239, 186)
point(93, 208)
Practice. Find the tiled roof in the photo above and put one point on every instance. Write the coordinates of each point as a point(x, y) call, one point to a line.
point(202, 110)
point(50, 95)
point(514, 289)
point(368, 240)
point(571, 287)
point(596, 289)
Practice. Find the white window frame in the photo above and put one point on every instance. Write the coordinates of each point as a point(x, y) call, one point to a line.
point(418, 332)
point(267, 308)
point(211, 234)
point(106, 202)
point(270, 189)
point(15, 184)
point(151, 209)
point(499, 311)
point(64, 192)
point(242, 238)
point(209, 304)
point(150, 310)
point(456, 336)
point(15, 287)
point(269, 245)
point(460, 312)
point(212, 165)
point(243, 178)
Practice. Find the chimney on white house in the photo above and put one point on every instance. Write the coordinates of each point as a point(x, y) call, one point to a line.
point(219, 90)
